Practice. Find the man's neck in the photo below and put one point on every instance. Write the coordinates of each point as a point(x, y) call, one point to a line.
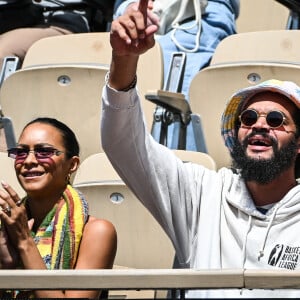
point(263, 194)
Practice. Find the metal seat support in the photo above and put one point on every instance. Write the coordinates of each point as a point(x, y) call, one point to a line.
point(10, 65)
point(173, 108)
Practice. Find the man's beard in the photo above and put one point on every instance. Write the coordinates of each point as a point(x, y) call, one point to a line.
point(263, 171)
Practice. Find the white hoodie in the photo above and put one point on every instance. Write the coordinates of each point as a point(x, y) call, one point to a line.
point(209, 216)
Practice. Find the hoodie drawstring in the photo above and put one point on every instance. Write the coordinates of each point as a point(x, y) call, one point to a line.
point(245, 240)
point(261, 252)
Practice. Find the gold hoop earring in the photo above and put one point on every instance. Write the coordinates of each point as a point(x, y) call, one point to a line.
point(68, 178)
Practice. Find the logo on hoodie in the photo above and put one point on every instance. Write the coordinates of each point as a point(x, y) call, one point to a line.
point(285, 257)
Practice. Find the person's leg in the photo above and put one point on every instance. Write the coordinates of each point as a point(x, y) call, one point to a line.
point(17, 42)
point(217, 23)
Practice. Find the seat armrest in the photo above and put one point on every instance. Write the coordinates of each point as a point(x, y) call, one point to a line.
point(174, 102)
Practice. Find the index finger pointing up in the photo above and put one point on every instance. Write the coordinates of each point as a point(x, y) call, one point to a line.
point(143, 6)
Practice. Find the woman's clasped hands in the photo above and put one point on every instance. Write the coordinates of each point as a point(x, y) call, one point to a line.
point(14, 226)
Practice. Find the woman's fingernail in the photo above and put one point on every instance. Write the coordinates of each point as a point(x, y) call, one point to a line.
point(4, 184)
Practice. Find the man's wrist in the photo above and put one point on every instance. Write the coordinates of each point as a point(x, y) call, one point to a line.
point(130, 86)
point(125, 89)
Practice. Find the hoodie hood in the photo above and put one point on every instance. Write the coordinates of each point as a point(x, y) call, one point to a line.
point(239, 197)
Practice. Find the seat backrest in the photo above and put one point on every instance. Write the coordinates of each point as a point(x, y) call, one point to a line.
point(141, 241)
point(260, 46)
point(200, 158)
point(70, 94)
point(66, 83)
point(7, 173)
point(212, 88)
point(81, 48)
point(268, 15)
point(93, 49)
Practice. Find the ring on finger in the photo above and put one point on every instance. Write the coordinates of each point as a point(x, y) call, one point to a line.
point(7, 209)
point(19, 202)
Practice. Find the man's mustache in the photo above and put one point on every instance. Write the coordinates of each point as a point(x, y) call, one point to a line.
point(261, 133)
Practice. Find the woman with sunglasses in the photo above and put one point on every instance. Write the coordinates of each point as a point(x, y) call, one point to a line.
point(50, 228)
point(244, 216)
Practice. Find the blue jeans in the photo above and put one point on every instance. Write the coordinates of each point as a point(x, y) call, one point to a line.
point(218, 22)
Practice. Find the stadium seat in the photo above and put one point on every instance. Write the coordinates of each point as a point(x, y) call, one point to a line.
point(82, 48)
point(67, 83)
point(260, 46)
point(70, 94)
point(268, 15)
point(196, 157)
point(93, 49)
point(141, 241)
